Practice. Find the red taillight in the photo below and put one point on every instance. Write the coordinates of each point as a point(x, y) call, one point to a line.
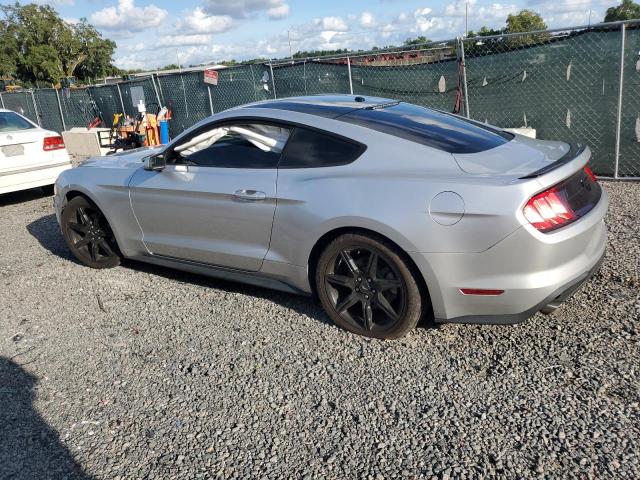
point(588, 171)
point(549, 210)
point(52, 143)
point(480, 291)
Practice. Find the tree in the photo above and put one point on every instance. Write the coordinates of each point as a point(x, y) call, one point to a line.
point(319, 53)
point(526, 21)
point(42, 63)
point(485, 32)
point(627, 10)
point(8, 50)
point(36, 44)
point(421, 40)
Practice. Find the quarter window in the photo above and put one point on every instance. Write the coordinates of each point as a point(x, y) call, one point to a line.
point(312, 149)
point(435, 129)
point(234, 146)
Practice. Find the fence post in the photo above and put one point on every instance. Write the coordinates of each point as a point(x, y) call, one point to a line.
point(273, 81)
point(121, 102)
point(304, 75)
point(184, 95)
point(156, 90)
point(349, 70)
point(210, 101)
point(1, 100)
point(464, 78)
point(64, 125)
point(160, 89)
point(619, 115)
point(253, 82)
point(35, 108)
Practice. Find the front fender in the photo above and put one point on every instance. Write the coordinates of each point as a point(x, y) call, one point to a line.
point(113, 201)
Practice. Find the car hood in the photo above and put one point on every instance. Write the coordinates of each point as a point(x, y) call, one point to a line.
point(517, 158)
point(128, 159)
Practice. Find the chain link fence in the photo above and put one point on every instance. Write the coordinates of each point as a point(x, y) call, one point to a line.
point(578, 84)
point(565, 85)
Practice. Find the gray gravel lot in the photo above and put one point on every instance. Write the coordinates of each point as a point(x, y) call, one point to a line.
point(142, 372)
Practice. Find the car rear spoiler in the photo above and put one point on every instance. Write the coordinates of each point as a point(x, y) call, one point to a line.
point(575, 150)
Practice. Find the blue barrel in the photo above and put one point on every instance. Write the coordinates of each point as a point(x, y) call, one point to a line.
point(164, 132)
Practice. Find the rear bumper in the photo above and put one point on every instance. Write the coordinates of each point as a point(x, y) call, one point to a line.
point(536, 272)
point(31, 177)
point(548, 305)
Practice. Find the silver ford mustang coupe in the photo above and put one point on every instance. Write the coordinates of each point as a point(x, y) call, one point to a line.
point(387, 211)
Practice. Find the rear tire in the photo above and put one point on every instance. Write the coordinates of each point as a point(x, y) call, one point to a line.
point(88, 234)
point(366, 287)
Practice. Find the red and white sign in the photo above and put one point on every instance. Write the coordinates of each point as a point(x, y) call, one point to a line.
point(211, 76)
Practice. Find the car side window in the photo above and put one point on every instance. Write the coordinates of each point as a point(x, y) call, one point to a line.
point(312, 149)
point(246, 145)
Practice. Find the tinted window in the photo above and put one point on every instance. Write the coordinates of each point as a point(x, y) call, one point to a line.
point(233, 146)
point(429, 127)
point(311, 149)
point(10, 121)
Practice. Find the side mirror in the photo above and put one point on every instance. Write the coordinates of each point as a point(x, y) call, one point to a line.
point(155, 163)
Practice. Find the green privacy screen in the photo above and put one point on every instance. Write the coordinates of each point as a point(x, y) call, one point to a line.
point(565, 84)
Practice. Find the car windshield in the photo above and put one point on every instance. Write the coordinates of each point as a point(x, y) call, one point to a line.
point(10, 122)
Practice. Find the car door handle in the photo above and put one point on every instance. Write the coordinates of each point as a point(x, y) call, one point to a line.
point(250, 195)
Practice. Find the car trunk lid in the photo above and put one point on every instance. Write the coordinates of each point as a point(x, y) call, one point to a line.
point(522, 157)
point(21, 148)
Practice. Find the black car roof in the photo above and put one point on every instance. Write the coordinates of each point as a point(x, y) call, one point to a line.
point(328, 106)
point(434, 128)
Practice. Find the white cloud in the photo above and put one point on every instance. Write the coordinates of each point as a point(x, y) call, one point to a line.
point(353, 31)
point(134, 47)
point(336, 24)
point(496, 12)
point(457, 9)
point(56, 3)
point(244, 8)
point(367, 20)
point(128, 17)
point(276, 13)
point(183, 40)
point(564, 13)
point(199, 21)
point(421, 12)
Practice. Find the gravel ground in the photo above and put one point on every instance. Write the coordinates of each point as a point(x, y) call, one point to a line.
point(141, 372)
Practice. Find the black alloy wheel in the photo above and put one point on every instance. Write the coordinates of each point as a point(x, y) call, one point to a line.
point(367, 288)
point(88, 234)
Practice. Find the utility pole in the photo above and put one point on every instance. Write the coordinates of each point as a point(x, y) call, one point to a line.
point(589, 18)
point(178, 58)
point(290, 51)
point(466, 18)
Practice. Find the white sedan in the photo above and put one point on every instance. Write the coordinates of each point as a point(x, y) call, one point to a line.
point(30, 156)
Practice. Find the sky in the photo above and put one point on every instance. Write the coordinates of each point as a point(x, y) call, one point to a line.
point(154, 33)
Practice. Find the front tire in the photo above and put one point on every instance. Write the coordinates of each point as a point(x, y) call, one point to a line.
point(88, 234)
point(366, 287)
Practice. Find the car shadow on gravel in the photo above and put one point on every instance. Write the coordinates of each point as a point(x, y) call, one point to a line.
point(21, 196)
point(29, 448)
point(47, 232)
point(304, 305)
